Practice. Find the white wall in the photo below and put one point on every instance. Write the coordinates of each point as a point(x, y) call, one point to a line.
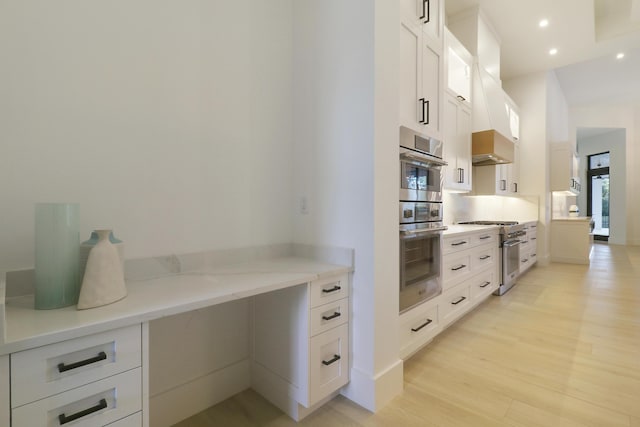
point(346, 167)
point(624, 117)
point(168, 121)
point(614, 142)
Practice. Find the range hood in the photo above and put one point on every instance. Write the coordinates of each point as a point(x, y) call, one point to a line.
point(492, 142)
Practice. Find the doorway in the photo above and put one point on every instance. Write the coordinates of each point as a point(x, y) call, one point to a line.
point(598, 194)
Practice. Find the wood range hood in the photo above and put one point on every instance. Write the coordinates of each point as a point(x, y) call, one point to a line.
point(490, 147)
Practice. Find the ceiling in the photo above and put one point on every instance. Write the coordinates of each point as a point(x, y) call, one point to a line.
point(587, 34)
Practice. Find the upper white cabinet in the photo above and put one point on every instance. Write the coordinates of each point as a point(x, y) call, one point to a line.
point(514, 117)
point(458, 65)
point(499, 180)
point(421, 78)
point(564, 168)
point(457, 144)
point(425, 14)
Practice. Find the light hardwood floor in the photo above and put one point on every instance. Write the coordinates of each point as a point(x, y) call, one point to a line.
point(562, 348)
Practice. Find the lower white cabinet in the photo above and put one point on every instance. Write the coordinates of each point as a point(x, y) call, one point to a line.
point(134, 420)
point(528, 247)
point(95, 404)
point(417, 327)
point(94, 380)
point(301, 344)
point(454, 303)
point(469, 276)
point(5, 396)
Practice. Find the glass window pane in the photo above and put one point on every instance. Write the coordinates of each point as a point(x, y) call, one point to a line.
point(599, 161)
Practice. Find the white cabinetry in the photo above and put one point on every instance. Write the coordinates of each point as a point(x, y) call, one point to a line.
point(420, 79)
point(457, 120)
point(564, 169)
point(457, 145)
point(529, 246)
point(571, 240)
point(425, 14)
point(301, 344)
point(513, 115)
point(469, 276)
point(458, 63)
point(5, 402)
point(501, 180)
point(93, 380)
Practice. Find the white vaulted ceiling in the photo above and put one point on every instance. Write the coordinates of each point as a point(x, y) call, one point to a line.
point(588, 35)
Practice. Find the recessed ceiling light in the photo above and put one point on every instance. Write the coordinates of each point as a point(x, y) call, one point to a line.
point(553, 51)
point(543, 23)
point(620, 55)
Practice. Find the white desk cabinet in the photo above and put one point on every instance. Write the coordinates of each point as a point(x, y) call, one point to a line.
point(301, 344)
point(89, 381)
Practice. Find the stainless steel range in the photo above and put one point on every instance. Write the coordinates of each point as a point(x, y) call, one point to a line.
point(510, 234)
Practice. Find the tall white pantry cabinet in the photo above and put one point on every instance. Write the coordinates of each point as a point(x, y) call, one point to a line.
point(421, 66)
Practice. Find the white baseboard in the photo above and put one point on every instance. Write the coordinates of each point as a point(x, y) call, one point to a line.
point(373, 393)
point(174, 405)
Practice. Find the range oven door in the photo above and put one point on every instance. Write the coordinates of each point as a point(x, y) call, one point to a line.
point(420, 266)
point(420, 178)
point(510, 263)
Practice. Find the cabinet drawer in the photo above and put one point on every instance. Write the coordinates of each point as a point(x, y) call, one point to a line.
point(486, 237)
point(329, 289)
point(52, 369)
point(456, 267)
point(329, 363)
point(483, 285)
point(454, 303)
point(329, 316)
point(95, 404)
point(417, 327)
point(456, 243)
point(482, 257)
point(134, 420)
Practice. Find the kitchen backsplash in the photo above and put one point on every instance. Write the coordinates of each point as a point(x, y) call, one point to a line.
point(461, 207)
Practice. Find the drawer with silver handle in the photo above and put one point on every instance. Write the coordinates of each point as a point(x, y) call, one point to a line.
point(44, 371)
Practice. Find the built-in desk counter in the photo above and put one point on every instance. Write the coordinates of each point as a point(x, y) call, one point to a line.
point(46, 336)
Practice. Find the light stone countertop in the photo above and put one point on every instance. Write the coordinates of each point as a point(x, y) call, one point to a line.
point(153, 298)
point(467, 228)
point(573, 218)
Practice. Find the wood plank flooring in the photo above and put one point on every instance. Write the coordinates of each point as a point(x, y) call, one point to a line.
point(562, 348)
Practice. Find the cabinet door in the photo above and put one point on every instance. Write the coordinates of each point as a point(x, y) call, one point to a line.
point(423, 13)
point(464, 146)
point(429, 101)
point(4, 391)
point(514, 171)
point(410, 89)
point(450, 148)
point(432, 18)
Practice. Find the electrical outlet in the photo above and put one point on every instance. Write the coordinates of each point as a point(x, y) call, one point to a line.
point(304, 205)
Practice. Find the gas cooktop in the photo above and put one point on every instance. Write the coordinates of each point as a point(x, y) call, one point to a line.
point(490, 222)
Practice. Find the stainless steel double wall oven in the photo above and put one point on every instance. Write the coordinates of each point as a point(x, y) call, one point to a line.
point(420, 218)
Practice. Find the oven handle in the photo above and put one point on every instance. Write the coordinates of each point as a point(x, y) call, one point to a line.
point(423, 159)
point(410, 234)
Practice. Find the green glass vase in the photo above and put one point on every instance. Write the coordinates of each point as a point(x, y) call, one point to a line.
point(57, 257)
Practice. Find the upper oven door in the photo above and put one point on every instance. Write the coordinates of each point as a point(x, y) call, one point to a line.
point(420, 181)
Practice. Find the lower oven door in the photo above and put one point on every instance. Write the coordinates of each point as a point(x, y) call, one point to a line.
point(420, 267)
point(510, 263)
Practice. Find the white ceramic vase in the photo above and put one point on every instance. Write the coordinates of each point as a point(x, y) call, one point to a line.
point(103, 281)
